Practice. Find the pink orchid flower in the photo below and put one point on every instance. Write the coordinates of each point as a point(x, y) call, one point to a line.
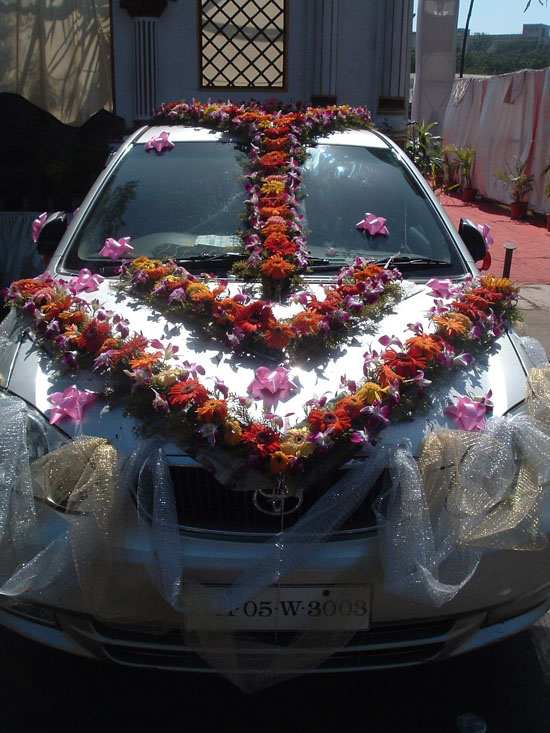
point(37, 226)
point(85, 282)
point(373, 225)
point(116, 249)
point(272, 386)
point(160, 143)
point(485, 229)
point(468, 414)
point(440, 288)
point(70, 403)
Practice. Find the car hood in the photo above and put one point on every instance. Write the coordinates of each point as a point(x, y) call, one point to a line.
point(32, 374)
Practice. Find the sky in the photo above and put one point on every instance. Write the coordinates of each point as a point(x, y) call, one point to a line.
point(501, 16)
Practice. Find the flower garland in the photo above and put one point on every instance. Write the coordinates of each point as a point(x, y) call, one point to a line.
point(275, 241)
point(153, 383)
point(364, 291)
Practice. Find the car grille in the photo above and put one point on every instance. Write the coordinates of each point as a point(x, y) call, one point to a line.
point(382, 646)
point(204, 504)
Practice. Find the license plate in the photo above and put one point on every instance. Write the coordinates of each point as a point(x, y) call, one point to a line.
point(296, 607)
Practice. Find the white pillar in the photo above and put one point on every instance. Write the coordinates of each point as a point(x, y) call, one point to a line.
point(325, 61)
point(145, 67)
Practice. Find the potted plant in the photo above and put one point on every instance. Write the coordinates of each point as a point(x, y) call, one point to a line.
point(426, 151)
point(519, 184)
point(464, 162)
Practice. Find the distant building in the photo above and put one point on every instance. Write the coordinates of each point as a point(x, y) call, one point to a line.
point(537, 31)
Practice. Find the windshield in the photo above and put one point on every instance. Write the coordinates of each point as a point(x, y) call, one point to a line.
point(189, 204)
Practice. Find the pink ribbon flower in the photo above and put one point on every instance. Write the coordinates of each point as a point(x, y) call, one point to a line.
point(469, 414)
point(37, 226)
point(373, 225)
point(69, 403)
point(440, 288)
point(271, 386)
point(160, 143)
point(116, 249)
point(85, 282)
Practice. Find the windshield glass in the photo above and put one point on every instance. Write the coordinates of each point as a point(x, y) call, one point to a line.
point(189, 203)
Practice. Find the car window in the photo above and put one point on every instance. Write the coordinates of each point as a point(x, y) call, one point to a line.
point(189, 202)
point(344, 183)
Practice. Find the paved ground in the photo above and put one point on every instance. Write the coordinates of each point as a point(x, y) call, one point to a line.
point(530, 260)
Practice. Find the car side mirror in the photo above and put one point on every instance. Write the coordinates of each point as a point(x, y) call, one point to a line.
point(51, 233)
point(473, 239)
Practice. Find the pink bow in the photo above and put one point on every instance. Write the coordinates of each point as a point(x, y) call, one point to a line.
point(85, 281)
point(37, 226)
point(468, 414)
point(373, 225)
point(160, 143)
point(69, 403)
point(439, 288)
point(115, 250)
point(271, 385)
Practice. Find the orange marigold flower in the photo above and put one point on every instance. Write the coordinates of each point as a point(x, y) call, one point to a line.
point(277, 130)
point(453, 325)
point(226, 310)
point(370, 272)
point(198, 292)
point(157, 273)
point(277, 268)
point(278, 335)
point(145, 360)
point(307, 321)
point(352, 405)
point(183, 393)
point(274, 229)
point(424, 346)
point(266, 212)
point(275, 159)
point(71, 317)
point(212, 411)
point(279, 462)
point(108, 344)
point(233, 431)
point(280, 244)
point(276, 143)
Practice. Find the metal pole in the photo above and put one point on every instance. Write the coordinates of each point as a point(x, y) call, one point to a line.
point(465, 39)
point(508, 259)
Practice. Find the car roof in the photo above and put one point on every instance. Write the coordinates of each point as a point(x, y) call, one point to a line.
point(184, 133)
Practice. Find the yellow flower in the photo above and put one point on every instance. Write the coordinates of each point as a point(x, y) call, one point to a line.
point(500, 284)
point(371, 392)
point(166, 378)
point(273, 187)
point(144, 263)
point(296, 443)
point(233, 431)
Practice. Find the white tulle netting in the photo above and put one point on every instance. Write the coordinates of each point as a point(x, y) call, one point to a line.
point(117, 551)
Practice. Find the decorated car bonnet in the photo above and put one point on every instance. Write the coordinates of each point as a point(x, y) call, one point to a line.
point(178, 398)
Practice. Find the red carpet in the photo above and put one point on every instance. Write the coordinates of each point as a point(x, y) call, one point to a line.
point(531, 259)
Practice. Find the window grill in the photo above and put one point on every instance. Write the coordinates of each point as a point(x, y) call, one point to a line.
point(242, 44)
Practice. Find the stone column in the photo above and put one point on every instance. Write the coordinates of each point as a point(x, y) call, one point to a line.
point(145, 14)
point(394, 24)
point(325, 61)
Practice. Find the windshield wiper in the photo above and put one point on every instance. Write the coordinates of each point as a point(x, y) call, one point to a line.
point(414, 261)
point(217, 257)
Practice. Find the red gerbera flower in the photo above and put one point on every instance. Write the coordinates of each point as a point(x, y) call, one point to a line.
point(280, 244)
point(93, 336)
point(337, 420)
point(261, 439)
point(255, 317)
point(403, 363)
point(183, 393)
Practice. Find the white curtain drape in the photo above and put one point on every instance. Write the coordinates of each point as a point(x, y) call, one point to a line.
point(504, 118)
point(57, 54)
point(435, 59)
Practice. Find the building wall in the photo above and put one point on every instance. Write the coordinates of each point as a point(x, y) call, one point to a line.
point(351, 51)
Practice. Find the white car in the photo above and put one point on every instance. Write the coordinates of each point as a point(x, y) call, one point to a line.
point(343, 474)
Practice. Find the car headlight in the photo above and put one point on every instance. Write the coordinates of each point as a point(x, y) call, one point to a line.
point(42, 438)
